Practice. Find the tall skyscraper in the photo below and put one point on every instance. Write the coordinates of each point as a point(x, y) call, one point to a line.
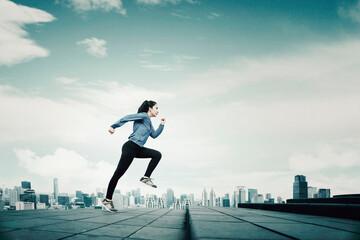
point(183, 198)
point(204, 198)
point(312, 192)
point(240, 198)
point(212, 198)
point(56, 189)
point(13, 197)
point(252, 195)
point(324, 193)
point(78, 194)
point(300, 187)
point(44, 198)
point(169, 197)
point(29, 196)
point(26, 185)
point(192, 198)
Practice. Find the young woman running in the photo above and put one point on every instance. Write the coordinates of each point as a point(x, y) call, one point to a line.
point(134, 147)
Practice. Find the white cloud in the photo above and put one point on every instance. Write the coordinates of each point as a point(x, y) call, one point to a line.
point(72, 169)
point(91, 5)
point(15, 47)
point(149, 52)
point(340, 154)
point(158, 2)
point(213, 15)
point(175, 63)
point(352, 12)
point(66, 80)
point(318, 67)
point(83, 117)
point(95, 47)
point(179, 15)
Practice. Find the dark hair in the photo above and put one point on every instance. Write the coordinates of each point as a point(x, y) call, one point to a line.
point(145, 106)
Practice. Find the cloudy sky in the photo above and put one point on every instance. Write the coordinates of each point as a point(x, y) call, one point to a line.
point(254, 93)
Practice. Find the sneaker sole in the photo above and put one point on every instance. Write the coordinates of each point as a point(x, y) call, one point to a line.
point(107, 208)
point(148, 185)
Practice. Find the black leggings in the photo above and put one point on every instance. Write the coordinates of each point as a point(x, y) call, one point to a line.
point(131, 150)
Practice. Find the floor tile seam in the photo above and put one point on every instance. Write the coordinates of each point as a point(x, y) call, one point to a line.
point(315, 224)
point(298, 221)
point(269, 229)
point(147, 224)
point(102, 226)
point(40, 230)
point(11, 230)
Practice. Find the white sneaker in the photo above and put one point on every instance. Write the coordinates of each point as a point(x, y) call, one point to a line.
point(148, 181)
point(108, 205)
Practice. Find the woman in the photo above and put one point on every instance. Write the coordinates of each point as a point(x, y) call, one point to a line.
point(134, 148)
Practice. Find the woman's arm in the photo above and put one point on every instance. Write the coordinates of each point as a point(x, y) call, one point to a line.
point(155, 134)
point(131, 117)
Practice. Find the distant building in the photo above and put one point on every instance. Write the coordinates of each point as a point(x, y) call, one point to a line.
point(183, 198)
point(26, 185)
point(260, 198)
point(44, 198)
point(78, 194)
point(192, 198)
point(118, 200)
point(252, 195)
point(63, 200)
point(41, 206)
point(212, 202)
point(169, 197)
point(270, 201)
point(267, 196)
point(87, 201)
point(312, 192)
point(324, 193)
point(240, 195)
point(225, 202)
point(28, 196)
point(204, 198)
point(13, 197)
point(300, 187)
point(24, 205)
point(56, 189)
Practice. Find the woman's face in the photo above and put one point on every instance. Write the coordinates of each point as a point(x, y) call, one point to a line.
point(154, 111)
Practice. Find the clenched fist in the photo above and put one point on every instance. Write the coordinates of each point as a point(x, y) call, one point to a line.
point(111, 130)
point(163, 121)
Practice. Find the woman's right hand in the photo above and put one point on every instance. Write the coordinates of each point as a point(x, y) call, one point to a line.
point(111, 130)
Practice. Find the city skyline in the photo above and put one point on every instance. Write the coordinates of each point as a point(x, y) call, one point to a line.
point(254, 93)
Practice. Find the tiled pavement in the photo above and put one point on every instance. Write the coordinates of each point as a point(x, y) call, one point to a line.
point(145, 223)
point(137, 223)
point(244, 223)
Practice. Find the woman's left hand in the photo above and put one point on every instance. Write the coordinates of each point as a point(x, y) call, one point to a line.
point(163, 121)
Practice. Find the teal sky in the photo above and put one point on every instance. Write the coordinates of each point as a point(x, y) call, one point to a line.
point(254, 92)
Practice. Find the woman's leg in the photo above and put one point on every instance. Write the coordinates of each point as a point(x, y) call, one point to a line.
point(149, 153)
point(129, 150)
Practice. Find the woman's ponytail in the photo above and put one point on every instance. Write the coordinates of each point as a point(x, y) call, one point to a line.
point(145, 106)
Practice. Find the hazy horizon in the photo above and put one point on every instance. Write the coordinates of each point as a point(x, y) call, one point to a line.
point(253, 92)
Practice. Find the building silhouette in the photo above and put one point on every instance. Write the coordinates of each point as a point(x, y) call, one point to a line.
point(56, 189)
point(169, 197)
point(252, 195)
point(26, 185)
point(28, 196)
point(324, 193)
point(44, 198)
point(204, 198)
point(300, 187)
point(212, 202)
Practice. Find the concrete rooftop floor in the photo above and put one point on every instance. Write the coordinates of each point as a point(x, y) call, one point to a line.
point(145, 223)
